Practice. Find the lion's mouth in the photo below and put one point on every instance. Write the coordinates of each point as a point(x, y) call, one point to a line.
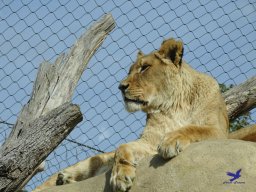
point(137, 101)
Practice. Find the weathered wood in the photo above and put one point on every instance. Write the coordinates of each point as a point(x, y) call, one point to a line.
point(46, 120)
point(55, 83)
point(241, 99)
point(30, 147)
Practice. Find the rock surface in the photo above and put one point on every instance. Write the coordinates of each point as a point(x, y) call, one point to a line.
point(201, 167)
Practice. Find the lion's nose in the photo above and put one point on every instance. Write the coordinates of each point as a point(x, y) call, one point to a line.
point(123, 87)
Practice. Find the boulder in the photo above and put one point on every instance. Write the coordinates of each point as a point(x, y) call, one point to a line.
point(203, 166)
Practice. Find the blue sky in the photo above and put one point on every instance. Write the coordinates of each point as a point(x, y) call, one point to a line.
point(219, 38)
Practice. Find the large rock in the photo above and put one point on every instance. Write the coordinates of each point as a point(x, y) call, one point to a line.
point(201, 167)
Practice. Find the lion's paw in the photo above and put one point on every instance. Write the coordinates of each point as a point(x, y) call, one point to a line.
point(122, 177)
point(64, 178)
point(172, 145)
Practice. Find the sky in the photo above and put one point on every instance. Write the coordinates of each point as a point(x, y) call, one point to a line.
point(219, 39)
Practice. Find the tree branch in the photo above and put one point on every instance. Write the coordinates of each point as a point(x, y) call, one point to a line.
point(48, 117)
point(241, 99)
point(34, 142)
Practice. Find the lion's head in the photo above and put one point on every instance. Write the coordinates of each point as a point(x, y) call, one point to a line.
point(152, 78)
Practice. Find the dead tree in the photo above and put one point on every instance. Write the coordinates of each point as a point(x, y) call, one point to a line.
point(49, 116)
point(239, 100)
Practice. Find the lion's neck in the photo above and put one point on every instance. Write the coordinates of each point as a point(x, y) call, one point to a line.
point(155, 127)
point(158, 124)
point(174, 113)
point(182, 92)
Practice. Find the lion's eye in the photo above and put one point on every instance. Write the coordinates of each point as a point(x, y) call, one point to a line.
point(144, 68)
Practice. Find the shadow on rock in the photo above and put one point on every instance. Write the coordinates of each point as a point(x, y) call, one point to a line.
point(157, 161)
point(107, 187)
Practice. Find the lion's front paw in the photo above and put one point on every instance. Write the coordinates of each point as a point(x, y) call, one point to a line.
point(122, 177)
point(64, 178)
point(172, 145)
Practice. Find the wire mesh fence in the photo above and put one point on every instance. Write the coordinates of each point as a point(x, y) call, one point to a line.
point(219, 38)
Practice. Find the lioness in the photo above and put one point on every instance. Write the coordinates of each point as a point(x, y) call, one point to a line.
point(182, 105)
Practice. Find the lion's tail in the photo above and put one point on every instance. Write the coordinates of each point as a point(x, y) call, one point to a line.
point(246, 134)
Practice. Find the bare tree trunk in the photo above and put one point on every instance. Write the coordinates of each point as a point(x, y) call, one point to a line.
point(241, 99)
point(49, 116)
point(35, 141)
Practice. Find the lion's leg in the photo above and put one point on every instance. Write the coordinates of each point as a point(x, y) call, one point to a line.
point(80, 171)
point(126, 158)
point(176, 141)
point(85, 169)
point(247, 133)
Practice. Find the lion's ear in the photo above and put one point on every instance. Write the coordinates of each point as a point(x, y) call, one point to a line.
point(172, 50)
point(140, 54)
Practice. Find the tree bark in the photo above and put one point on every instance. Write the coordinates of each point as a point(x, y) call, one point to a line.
point(56, 83)
point(34, 142)
point(49, 116)
point(241, 99)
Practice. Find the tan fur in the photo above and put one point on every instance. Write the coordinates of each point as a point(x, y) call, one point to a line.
point(182, 105)
point(80, 171)
point(246, 134)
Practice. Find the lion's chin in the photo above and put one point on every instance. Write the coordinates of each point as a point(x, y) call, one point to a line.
point(132, 107)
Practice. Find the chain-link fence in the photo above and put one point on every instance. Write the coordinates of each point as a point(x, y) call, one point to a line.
point(219, 38)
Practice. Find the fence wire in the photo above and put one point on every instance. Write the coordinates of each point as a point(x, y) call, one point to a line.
point(219, 38)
